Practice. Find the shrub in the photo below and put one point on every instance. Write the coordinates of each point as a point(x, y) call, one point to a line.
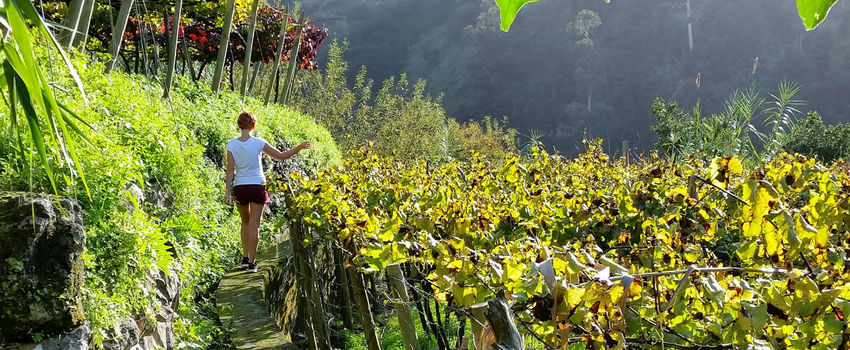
point(811, 137)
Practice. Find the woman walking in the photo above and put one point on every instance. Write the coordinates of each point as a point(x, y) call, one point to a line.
point(245, 183)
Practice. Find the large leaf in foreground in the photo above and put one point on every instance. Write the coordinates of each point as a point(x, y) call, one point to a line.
point(508, 10)
point(813, 12)
point(26, 84)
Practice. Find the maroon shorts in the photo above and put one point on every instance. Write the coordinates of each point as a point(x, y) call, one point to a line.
point(244, 194)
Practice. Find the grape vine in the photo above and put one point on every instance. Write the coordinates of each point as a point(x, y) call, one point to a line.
point(603, 254)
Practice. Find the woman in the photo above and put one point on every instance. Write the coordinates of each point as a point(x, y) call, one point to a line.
point(244, 181)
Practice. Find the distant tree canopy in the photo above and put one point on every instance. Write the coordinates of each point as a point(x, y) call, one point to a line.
point(541, 79)
point(812, 12)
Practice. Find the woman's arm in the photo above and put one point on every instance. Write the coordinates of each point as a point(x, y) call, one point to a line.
point(278, 155)
point(228, 177)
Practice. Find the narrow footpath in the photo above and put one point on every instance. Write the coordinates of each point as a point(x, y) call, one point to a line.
point(244, 313)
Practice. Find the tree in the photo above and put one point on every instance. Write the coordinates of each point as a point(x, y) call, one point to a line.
point(588, 72)
point(584, 24)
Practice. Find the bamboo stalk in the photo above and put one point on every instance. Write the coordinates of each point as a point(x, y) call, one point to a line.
point(257, 69)
point(82, 34)
point(401, 302)
point(172, 48)
point(118, 33)
point(317, 309)
point(223, 45)
point(188, 58)
point(72, 19)
point(143, 33)
point(138, 57)
point(293, 61)
point(276, 66)
point(232, 63)
point(249, 46)
point(155, 62)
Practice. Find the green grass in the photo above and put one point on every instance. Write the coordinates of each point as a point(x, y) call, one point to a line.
point(390, 335)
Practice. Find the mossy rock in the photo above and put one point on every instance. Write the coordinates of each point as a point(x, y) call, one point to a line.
point(41, 267)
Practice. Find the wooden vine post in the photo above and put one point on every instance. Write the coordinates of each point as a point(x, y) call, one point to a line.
point(172, 48)
point(309, 300)
point(501, 320)
point(363, 308)
point(223, 45)
point(401, 301)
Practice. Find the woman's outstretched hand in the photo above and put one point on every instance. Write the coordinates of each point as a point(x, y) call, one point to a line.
point(304, 145)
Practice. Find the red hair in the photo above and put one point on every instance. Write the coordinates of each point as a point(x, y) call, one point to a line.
point(246, 120)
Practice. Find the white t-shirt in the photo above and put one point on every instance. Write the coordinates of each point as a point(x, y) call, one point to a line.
point(246, 155)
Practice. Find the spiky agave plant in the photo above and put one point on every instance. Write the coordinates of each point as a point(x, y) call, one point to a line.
point(532, 140)
point(25, 86)
point(779, 117)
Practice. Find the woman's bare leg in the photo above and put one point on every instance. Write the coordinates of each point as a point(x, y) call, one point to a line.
point(255, 215)
point(244, 213)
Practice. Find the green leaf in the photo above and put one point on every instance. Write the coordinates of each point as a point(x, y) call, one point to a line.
point(758, 315)
point(508, 10)
point(512, 175)
point(813, 12)
point(29, 12)
point(772, 240)
point(747, 251)
point(389, 229)
point(577, 346)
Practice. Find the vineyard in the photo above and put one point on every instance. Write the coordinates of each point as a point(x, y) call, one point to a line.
point(440, 234)
point(593, 252)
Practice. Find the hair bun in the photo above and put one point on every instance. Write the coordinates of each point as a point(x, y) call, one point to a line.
point(246, 120)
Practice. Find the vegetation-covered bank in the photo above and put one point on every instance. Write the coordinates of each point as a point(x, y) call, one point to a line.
point(154, 171)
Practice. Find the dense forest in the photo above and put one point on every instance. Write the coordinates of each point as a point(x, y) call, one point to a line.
point(626, 54)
